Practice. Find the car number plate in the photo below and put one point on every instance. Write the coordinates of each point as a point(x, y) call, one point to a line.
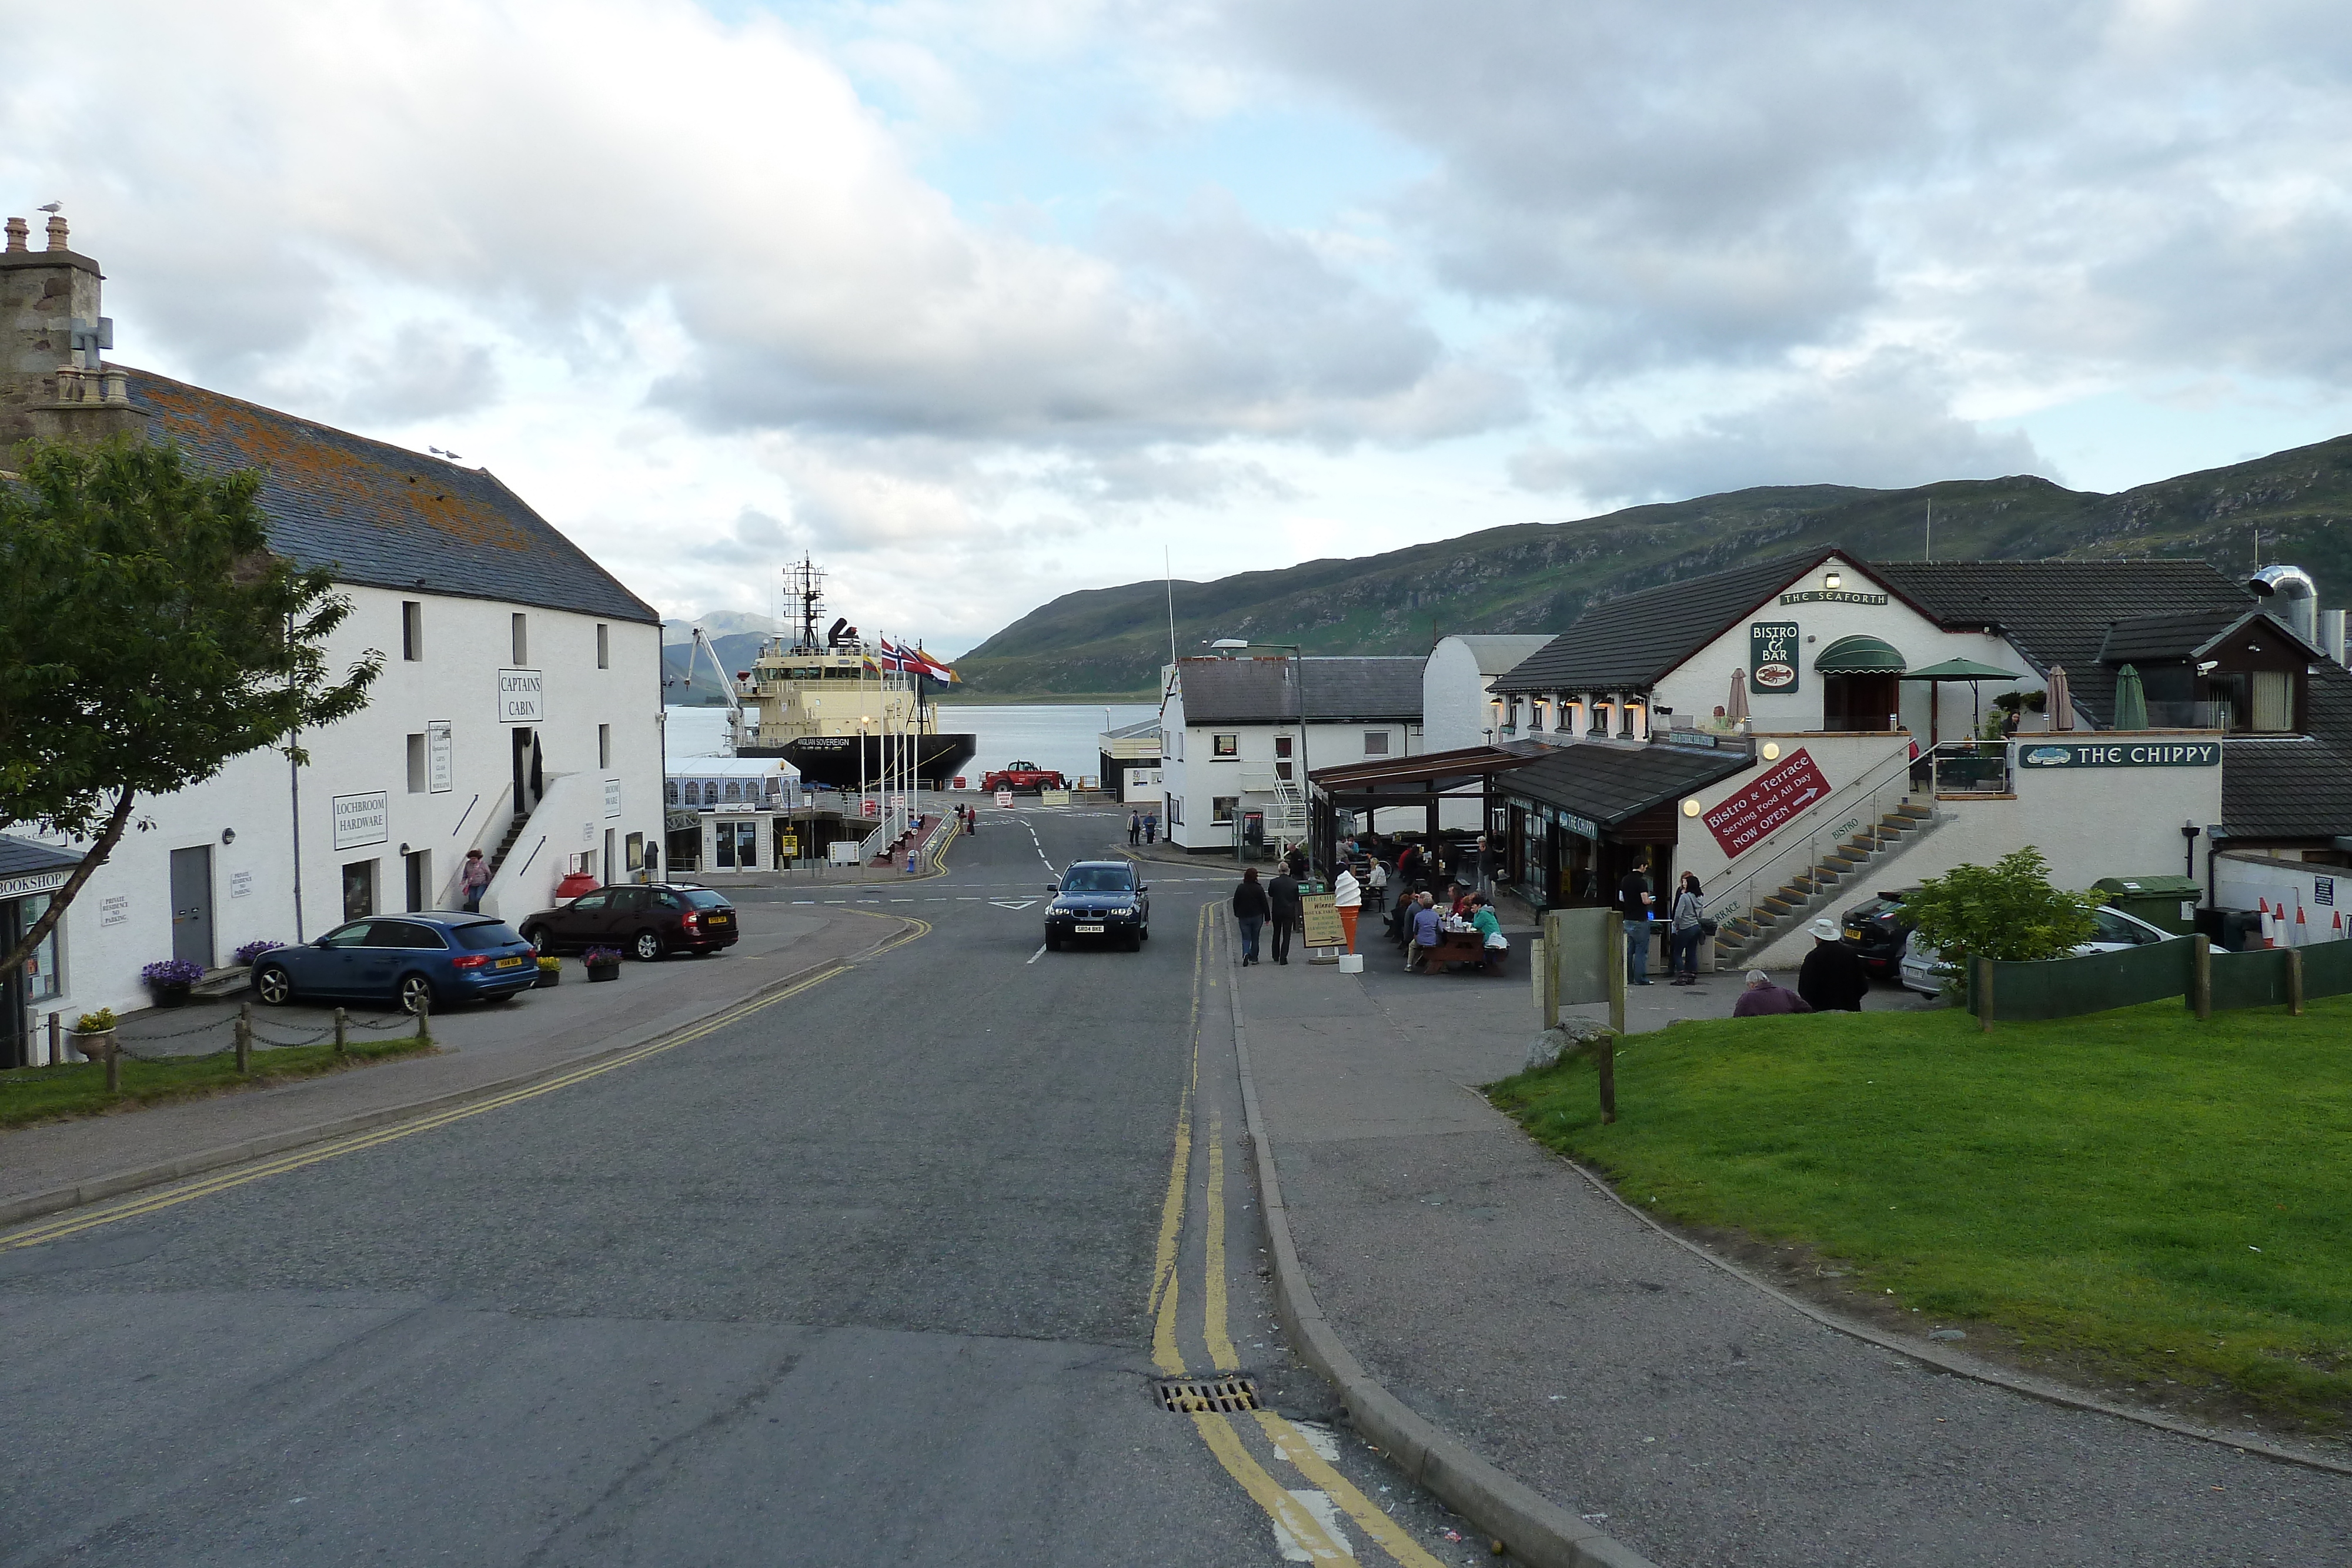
point(508, 963)
point(1087, 930)
point(1851, 935)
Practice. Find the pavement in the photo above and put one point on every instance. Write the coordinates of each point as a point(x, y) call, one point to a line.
point(1507, 1299)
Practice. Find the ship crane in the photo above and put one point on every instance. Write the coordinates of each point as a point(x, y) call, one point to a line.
point(702, 649)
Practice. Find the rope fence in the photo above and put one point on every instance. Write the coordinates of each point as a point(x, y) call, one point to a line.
point(244, 1034)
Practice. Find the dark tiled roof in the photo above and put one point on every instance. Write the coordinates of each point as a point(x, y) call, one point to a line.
point(1610, 783)
point(382, 516)
point(22, 857)
point(2174, 637)
point(2058, 611)
point(2273, 790)
point(1630, 643)
point(1258, 691)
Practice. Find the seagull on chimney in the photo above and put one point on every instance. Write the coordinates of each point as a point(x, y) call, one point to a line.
point(50, 207)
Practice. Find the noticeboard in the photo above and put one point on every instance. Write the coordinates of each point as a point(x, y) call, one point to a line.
point(1323, 928)
point(788, 844)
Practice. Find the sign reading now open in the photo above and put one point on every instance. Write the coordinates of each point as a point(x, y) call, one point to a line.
point(1781, 792)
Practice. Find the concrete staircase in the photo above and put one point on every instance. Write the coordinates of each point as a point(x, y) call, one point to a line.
point(498, 857)
point(1797, 900)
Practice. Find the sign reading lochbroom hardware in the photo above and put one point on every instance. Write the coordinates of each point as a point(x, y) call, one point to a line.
point(521, 698)
point(2120, 754)
point(362, 820)
point(1772, 656)
point(1772, 798)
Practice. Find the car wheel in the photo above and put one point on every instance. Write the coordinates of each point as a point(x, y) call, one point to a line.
point(648, 947)
point(273, 985)
point(1053, 943)
point(416, 993)
point(1135, 941)
point(1144, 935)
point(537, 936)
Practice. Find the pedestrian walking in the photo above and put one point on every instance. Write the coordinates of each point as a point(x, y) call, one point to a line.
point(1134, 828)
point(1347, 898)
point(1634, 901)
point(1485, 867)
point(1831, 979)
point(1762, 999)
point(473, 880)
point(1289, 912)
point(1251, 907)
point(1685, 927)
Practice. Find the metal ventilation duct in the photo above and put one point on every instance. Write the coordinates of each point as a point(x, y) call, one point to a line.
point(2295, 598)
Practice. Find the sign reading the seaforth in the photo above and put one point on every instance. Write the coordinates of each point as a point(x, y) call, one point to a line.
point(521, 698)
point(1770, 799)
point(2119, 754)
point(1772, 656)
point(1832, 596)
point(362, 820)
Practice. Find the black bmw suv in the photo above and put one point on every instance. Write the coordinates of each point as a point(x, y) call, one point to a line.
point(1099, 900)
point(1876, 930)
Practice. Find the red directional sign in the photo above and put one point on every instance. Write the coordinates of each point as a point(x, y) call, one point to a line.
point(1790, 787)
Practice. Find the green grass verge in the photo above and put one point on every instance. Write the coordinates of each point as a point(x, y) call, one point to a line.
point(47, 1094)
point(2132, 1192)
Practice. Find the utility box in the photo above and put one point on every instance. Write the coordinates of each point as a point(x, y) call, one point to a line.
point(2166, 902)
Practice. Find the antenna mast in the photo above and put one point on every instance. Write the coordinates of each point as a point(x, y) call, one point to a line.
point(1168, 575)
point(1931, 529)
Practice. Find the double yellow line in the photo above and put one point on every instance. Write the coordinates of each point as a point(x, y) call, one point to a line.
point(150, 1203)
point(1218, 1429)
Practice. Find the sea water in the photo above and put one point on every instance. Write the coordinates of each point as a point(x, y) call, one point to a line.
point(1060, 735)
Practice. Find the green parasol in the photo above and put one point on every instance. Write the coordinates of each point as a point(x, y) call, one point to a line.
point(2131, 699)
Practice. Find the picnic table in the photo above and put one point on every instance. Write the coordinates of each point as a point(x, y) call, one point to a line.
point(1453, 947)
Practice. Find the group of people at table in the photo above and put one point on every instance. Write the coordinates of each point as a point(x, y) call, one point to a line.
point(1442, 928)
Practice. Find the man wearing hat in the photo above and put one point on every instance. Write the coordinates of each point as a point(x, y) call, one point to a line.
point(1833, 979)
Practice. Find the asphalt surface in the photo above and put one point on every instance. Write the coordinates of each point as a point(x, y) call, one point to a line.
point(881, 1273)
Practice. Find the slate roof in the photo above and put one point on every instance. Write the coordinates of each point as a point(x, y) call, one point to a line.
point(2295, 788)
point(22, 857)
point(2167, 638)
point(2058, 611)
point(1631, 644)
point(382, 516)
point(1609, 784)
point(1258, 691)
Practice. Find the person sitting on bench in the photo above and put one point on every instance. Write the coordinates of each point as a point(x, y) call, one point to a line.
point(1496, 947)
point(1424, 932)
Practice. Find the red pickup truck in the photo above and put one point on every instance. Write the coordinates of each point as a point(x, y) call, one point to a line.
point(1022, 775)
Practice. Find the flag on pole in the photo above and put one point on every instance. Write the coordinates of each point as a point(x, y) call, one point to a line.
point(932, 667)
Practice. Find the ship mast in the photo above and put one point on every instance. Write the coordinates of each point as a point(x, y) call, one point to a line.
point(807, 587)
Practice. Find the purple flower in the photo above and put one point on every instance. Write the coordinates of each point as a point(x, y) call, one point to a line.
point(173, 972)
point(252, 950)
point(601, 955)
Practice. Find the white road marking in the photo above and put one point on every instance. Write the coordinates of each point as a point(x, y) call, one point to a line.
point(1009, 903)
point(1327, 1515)
point(1319, 1438)
point(1037, 955)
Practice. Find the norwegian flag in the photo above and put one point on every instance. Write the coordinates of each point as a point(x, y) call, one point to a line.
point(891, 656)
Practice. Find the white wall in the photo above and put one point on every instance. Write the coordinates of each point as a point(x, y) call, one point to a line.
point(122, 919)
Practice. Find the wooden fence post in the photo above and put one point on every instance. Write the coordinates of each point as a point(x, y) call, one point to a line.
point(2200, 976)
point(244, 1038)
point(1984, 994)
point(2295, 981)
point(56, 1039)
point(424, 1020)
point(342, 1037)
point(113, 1063)
point(1604, 1056)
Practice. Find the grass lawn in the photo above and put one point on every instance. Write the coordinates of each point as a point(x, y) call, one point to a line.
point(2132, 1190)
point(43, 1094)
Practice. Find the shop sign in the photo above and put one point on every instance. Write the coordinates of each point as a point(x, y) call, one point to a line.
point(1569, 820)
point(1772, 656)
point(612, 796)
point(34, 882)
point(1832, 596)
point(2128, 754)
point(441, 757)
point(521, 698)
point(360, 819)
point(1769, 801)
point(1320, 913)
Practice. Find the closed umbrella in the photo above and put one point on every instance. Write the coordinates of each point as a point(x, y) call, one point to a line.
point(2060, 700)
point(2131, 700)
point(1737, 708)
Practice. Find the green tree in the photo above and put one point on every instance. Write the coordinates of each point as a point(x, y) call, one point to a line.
point(147, 636)
point(2007, 911)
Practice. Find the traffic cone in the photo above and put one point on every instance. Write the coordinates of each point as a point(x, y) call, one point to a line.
point(2337, 934)
point(2302, 931)
point(2268, 924)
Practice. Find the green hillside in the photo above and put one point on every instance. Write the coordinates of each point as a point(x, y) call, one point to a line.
point(1538, 576)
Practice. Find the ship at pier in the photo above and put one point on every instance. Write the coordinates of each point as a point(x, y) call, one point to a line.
point(845, 711)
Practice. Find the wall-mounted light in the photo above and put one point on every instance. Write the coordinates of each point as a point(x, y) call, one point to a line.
point(228, 835)
point(1771, 751)
point(1690, 807)
point(1831, 581)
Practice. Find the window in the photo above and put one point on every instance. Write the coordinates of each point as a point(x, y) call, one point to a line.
point(1281, 744)
point(603, 646)
point(1224, 746)
point(1376, 743)
point(734, 791)
point(1536, 714)
point(485, 934)
point(521, 640)
point(669, 792)
point(1221, 807)
point(43, 979)
point(411, 630)
point(1175, 810)
point(2274, 700)
point(359, 890)
point(417, 765)
point(603, 739)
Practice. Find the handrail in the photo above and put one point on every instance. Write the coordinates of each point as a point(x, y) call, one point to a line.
point(1833, 804)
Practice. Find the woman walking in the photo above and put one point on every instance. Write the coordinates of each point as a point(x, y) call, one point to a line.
point(1251, 906)
point(1684, 929)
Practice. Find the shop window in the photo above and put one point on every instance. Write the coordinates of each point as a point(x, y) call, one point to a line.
point(1221, 808)
point(359, 890)
point(1376, 743)
point(43, 979)
point(1225, 745)
point(411, 630)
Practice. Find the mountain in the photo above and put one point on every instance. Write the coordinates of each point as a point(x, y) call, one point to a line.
point(734, 649)
point(1540, 577)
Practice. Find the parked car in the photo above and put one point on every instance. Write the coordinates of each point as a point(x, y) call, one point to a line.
point(1099, 900)
point(434, 957)
point(2114, 931)
point(643, 921)
point(1878, 931)
point(1025, 776)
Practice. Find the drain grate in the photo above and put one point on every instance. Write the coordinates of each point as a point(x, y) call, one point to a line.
point(1190, 1394)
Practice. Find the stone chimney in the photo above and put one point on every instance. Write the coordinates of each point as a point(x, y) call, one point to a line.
point(53, 384)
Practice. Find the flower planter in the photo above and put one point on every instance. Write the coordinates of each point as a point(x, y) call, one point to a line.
point(171, 995)
point(603, 971)
point(95, 1047)
point(551, 977)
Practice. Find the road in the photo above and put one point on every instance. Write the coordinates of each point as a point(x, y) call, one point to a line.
point(884, 1272)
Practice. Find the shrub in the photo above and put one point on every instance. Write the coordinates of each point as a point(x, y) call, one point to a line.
point(550, 961)
point(173, 972)
point(252, 950)
point(2007, 911)
point(97, 1022)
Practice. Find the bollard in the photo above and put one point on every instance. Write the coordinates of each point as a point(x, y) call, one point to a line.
point(244, 1039)
point(425, 1018)
point(1984, 994)
point(2295, 981)
point(113, 1065)
point(342, 1034)
point(2200, 976)
point(56, 1039)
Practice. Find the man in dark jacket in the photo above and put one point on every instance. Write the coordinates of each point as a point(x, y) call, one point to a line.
point(1832, 979)
point(1635, 900)
point(1289, 913)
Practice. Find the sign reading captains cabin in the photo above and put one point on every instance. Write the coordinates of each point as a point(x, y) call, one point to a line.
point(1772, 656)
point(521, 698)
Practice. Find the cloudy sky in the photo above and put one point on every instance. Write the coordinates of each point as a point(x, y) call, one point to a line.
point(983, 302)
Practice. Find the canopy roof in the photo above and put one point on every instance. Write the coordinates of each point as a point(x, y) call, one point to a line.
point(1860, 655)
point(1962, 670)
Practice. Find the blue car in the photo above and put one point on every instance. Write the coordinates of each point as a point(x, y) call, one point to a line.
point(435, 957)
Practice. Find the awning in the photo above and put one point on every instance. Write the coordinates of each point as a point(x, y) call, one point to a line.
point(1962, 670)
point(1427, 773)
point(1860, 655)
point(28, 868)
